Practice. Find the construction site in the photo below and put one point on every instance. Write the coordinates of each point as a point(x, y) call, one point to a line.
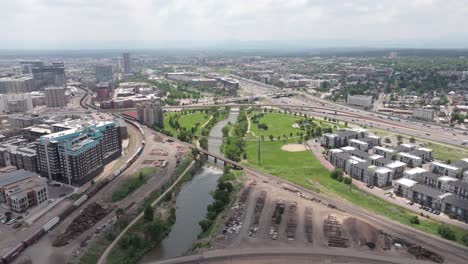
point(272, 214)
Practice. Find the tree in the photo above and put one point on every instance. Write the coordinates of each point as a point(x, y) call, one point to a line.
point(446, 232)
point(400, 137)
point(388, 141)
point(119, 212)
point(414, 220)
point(271, 137)
point(226, 169)
point(204, 143)
point(347, 180)
point(149, 212)
point(464, 239)
point(141, 176)
point(155, 230)
point(336, 173)
point(449, 161)
point(412, 139)
point(205, 224)
point(229, 187)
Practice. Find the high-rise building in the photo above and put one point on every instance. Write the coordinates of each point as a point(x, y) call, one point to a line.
point(126, 62)
point(26, 66)
point(15, 103)
point(17, 84)
point(103, 73)
point(151, 113)
point(49, 75)
point(55, 97)
point(78, 154)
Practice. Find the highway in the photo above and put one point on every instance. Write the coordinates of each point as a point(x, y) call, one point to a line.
point(414, 128)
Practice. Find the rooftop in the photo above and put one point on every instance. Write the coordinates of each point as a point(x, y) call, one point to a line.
point(395, 164)
point(15, 176)
point(457, 202)
point(416, 170)
point(384, 149)
point(447, 179)
point(406, 182)
point(348, 148)
point(383, 170)
point(428, 191)
point(404, 154)
point(444, 165)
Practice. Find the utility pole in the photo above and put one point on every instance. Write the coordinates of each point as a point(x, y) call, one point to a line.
point(258, 151)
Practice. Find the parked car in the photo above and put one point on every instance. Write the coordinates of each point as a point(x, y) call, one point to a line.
point(12, 221)
point(17, 225)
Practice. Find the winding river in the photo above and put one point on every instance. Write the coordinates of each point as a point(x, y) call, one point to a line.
point(192, 201)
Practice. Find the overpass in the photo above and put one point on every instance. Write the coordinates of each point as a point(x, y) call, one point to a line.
point(301, 255)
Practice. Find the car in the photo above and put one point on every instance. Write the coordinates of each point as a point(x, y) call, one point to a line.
point(12, 221)
point(3, 221)
point(51, 200)
point(17, 225)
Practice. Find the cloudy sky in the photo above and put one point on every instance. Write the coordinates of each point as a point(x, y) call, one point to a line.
point(65, 24)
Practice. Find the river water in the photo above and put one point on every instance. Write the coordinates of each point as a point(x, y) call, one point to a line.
point(192, 201)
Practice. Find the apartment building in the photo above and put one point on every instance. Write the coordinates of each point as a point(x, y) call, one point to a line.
point(424, 114)
point(151, 113)
point(78, 154)
point(55, 97)
point(385, 152)
point(441, 168)
point(25, 194)
point(409, 159)
point(341, 137)
point(360, 100)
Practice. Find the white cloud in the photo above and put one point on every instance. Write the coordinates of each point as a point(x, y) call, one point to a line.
point(68, 23)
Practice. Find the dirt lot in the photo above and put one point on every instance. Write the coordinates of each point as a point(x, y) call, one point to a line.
point(294, 147)
point(305, 222)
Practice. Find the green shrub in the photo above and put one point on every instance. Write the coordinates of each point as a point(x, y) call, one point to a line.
point(446, 232)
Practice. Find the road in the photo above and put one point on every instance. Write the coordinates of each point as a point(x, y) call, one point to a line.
point(288, 255)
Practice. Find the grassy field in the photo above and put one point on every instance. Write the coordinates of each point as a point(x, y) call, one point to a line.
point(304, 169)
point(297, 167)
point(280, 124)
point(445, 152)
point(188, 121)
point(137, 180)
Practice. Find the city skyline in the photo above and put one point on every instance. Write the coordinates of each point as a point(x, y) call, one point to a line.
point(220, 24)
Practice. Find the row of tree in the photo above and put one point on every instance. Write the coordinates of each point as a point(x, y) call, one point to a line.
point(222, 197)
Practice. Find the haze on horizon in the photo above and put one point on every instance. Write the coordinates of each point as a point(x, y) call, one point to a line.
point(129, 24)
